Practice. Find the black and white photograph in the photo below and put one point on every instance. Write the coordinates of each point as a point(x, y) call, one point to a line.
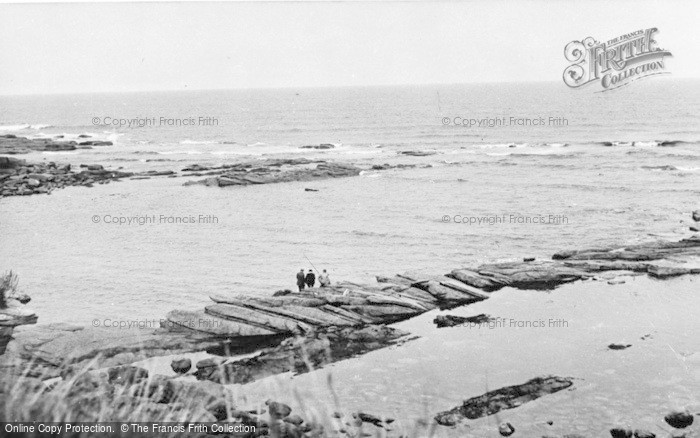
point(350, 219)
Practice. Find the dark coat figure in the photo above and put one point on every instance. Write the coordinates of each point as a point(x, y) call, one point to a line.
point(310, 279)
point(300, 280)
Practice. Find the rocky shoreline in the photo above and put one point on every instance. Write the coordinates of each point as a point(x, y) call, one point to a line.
point(11, 144)
point(20, 178)
point(293, 332)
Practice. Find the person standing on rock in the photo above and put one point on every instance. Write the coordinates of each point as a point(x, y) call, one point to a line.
point(300, 280)
point(323, 279)
point(310, 279)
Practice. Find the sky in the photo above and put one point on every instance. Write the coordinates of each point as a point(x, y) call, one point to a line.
point(114, 47)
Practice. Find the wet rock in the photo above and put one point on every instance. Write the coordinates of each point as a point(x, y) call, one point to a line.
point(634, 253)
point(11, 163)
point(245, 417)
point(274, 171)
point(453, 320)
point(620, 432)
point(157, 173)
point(40, 176)
point(641, 433)
point(506, 429)
point(532, 275)
point(37, 178)
point(212, 324)
point(258, 317)
point(504, 398)
point(318, 146)
point(294, 419)
point(619, 346)
point(473, 278)
point(301, 354)
point(58, 147)
point(219, 409)
point(22, 298)
point(278, 410)
point(209, 362)
point(665, 272)
point(373, 419)
point(387, 166)
point(444, 293)
point(616, 281)
point(181, 366)
point(417, 153)
point(95, 143)
point(679, 420)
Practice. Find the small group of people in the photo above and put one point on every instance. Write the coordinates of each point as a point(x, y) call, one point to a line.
point(309, 279)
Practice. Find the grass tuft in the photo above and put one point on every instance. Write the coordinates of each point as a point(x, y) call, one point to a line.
point(8, 287)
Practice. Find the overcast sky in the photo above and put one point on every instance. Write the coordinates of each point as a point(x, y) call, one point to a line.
point(80, 47)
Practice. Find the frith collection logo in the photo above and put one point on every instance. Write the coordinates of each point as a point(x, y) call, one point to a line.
point(616, 62)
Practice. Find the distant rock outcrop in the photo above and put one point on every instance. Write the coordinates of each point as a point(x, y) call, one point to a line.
point(12, 144)
point(272, 171)
point(318, 146)
point(17, 177)
point(418, 153)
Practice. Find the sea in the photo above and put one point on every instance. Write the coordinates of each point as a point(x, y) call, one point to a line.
point(494, 172)
point(516, 170)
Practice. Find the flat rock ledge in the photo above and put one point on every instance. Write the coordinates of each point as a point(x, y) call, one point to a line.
point(318, 313)
point(271, 171)
point(404, 296)
point(508, 397)
point(288, 323)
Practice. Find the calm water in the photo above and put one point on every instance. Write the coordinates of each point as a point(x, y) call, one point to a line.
point(633, 388)
point(379, 223)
